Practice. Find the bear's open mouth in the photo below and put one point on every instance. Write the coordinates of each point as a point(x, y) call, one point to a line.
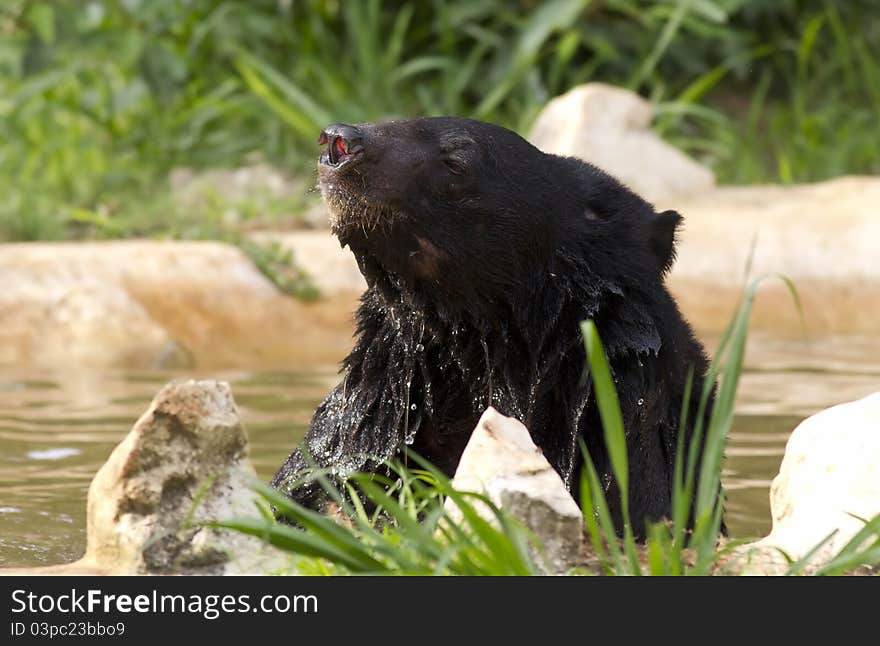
point(339, 150)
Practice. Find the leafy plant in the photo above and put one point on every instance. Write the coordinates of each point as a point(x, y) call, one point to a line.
point(278, 265)
point(409, 529)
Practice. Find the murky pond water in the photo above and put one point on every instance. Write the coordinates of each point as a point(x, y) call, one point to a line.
point(56, 430)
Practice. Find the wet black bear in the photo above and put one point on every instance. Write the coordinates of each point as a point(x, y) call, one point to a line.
point(482, 256)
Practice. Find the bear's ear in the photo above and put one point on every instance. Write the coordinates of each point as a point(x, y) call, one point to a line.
point(663, 230)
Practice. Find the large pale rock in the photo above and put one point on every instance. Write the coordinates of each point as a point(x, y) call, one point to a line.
point(257, 188)
point(184, 462)
point(150, 304)
point(830, 472)
point(610, 128)
point(502, 462)
point(332, 268)
point(80, 324)
point(824, 237)
point(190, 186)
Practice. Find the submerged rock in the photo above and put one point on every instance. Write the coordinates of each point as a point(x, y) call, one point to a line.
point(184, 462)
point(502, 462)
point(829, 478)
point(610, 128)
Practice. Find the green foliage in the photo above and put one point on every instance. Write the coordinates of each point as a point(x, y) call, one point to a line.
point(100, 99)
point(278, 265)
point(408, 530)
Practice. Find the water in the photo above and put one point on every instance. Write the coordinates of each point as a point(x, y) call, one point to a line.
point(56, 430)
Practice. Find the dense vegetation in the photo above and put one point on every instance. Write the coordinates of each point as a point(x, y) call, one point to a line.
point(101, 99)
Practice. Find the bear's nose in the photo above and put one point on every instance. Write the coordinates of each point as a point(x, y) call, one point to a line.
point(342, 141)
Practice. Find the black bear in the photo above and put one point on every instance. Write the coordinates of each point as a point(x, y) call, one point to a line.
point(482, 256)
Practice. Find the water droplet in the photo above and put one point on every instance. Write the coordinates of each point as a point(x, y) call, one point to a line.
point(413, 407)
point(641, 402)
point(419, 347)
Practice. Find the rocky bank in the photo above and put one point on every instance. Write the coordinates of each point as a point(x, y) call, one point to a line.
point(148, 304)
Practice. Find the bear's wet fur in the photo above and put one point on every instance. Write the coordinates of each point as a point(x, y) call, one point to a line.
point(482, 256)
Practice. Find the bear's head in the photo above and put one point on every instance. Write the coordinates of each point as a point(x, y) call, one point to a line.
point(467, 210)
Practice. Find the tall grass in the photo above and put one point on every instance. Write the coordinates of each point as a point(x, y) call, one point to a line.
point(672, 549)
point(99, 100)
point(410, 530)
point(407, 530)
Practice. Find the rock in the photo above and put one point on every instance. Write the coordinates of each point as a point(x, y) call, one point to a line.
point(78, 324)
point(502, 462)
point(332, 268)
point(610, 128)
point(184, 462)
point(190, 186)
point(256, 189)
point(822, 236)
point(831, 469)
point(147, 304)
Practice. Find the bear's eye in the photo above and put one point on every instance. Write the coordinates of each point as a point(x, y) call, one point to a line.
point(455, 166)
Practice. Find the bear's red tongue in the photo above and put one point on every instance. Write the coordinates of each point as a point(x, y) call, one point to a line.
point(337, 150)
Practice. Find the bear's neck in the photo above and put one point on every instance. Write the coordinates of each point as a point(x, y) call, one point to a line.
point(497, 350)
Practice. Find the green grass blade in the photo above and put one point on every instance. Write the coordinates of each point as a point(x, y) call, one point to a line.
point(807, 43)
point(854, 553)
point(307, 118)
point(612, 428)
point(845, 564)
point(546, 19)
point(588, 508)
point(663, 41)
point(797, 567)
point(595, 507)
point(304, 543)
